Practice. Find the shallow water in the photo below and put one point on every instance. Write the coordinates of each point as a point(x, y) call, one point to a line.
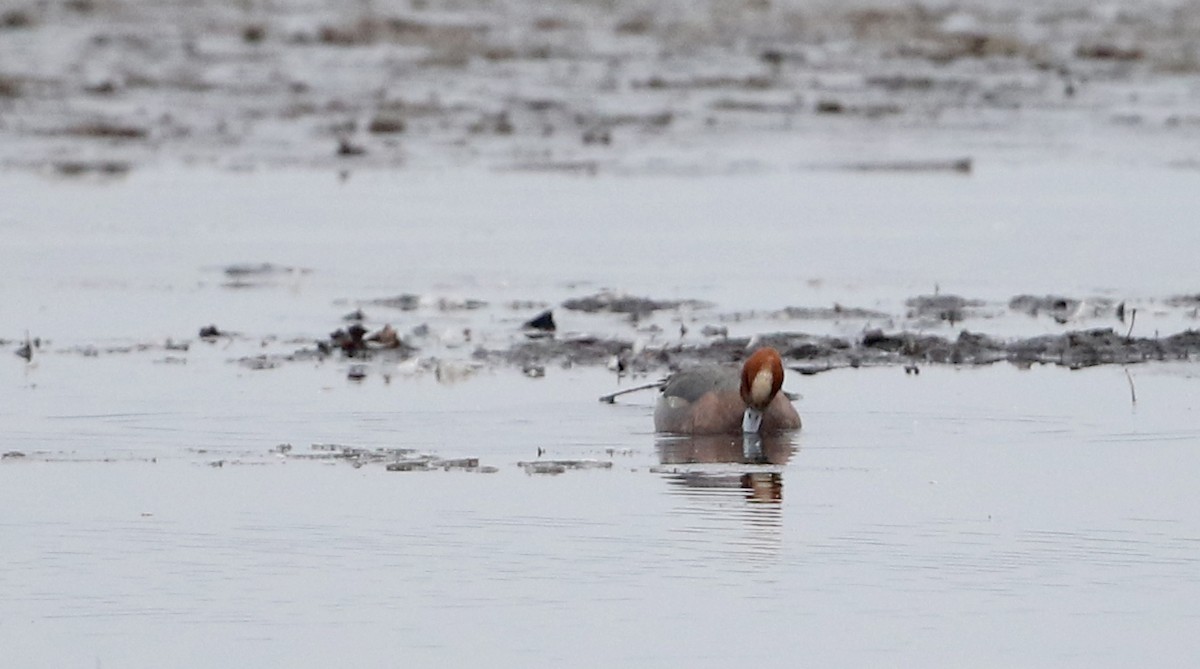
point(990, 516)
point(973, 517)
point(142, 257)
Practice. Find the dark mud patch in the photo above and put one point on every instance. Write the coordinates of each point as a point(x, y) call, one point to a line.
point(627, 304)
point(837, 312)
point(455, 343)
point(393, 459)
point(259, 275)
point(949, 308)
point(561, 466)
point(811, 354)
point(264, 87)
point(107, 130)
point(1186, 301)
point(103, 168)
point(951, 166)
point(412, 302)
point(10, 87)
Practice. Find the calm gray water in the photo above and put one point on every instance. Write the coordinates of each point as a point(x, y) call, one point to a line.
point(142, 257)
point(987, 517)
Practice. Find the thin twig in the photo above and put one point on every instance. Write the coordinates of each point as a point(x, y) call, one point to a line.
point(610, 399)
point(1132, 391)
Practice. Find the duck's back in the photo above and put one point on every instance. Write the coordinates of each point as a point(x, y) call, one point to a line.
point(700, 399)
point(692, 384)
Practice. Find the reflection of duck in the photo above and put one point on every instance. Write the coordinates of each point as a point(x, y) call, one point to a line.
point(774, 449)
point(752, 463)
point(717, 400)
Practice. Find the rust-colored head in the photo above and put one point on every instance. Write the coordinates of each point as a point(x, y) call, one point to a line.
point(762, 377)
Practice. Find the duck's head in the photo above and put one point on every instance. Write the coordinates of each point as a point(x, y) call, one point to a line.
point(762, 377)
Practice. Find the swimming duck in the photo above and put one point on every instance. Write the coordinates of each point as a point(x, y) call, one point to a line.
point(717, 400)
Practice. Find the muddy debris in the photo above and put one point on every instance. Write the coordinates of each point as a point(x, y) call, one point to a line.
point(627, 304)
point(1050, 304)
point(583, 350)
point(107, 130)
point(834, 313)
point(355, 342)
point(830, 107)
point(385, 338)
point(254, 33)
point(26, 349)
point(954, 166)
point(949, 308)
point(103, 168)
point(403, 302)
point(15, 19)
point(393, 459)
point(534, 371)
point(804, 65)
point(1066, 309)
point(258, 275)
point(386, 125)
point(1110, 52)
point(351, 341)
point(430, 463)
point(348, 149)
point(411, 302)
point(540, 326)
point(1187, 301)
point(242, 270)
point(259, 362)
point(812, 354)
point(561, 466)
point(10, 87)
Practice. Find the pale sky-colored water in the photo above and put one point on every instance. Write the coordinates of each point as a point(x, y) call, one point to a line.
point(87, 260)
point(981, 517)
point(991, 517)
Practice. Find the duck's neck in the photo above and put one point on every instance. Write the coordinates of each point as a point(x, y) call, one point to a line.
point(751, 420)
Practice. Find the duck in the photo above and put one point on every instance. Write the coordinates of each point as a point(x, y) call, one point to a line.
point(714, 399)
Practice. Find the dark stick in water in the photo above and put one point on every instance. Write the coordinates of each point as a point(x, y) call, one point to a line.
point(610, 399)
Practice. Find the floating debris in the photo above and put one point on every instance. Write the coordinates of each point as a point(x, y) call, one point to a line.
point(949, 308)
point(258, 362)
point(543, 322)
point(534, 371)
point(404, 302)
point(561, 466)
point(409, 466)
point(836, 312)
point(458, 463)
point(543, 468)
point(258, 269)
point(256, 275)
point(386, 338)
point(172, 345)
point(347, 149)
point(26, 349)
point(1059, 308)
point(627, 304)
